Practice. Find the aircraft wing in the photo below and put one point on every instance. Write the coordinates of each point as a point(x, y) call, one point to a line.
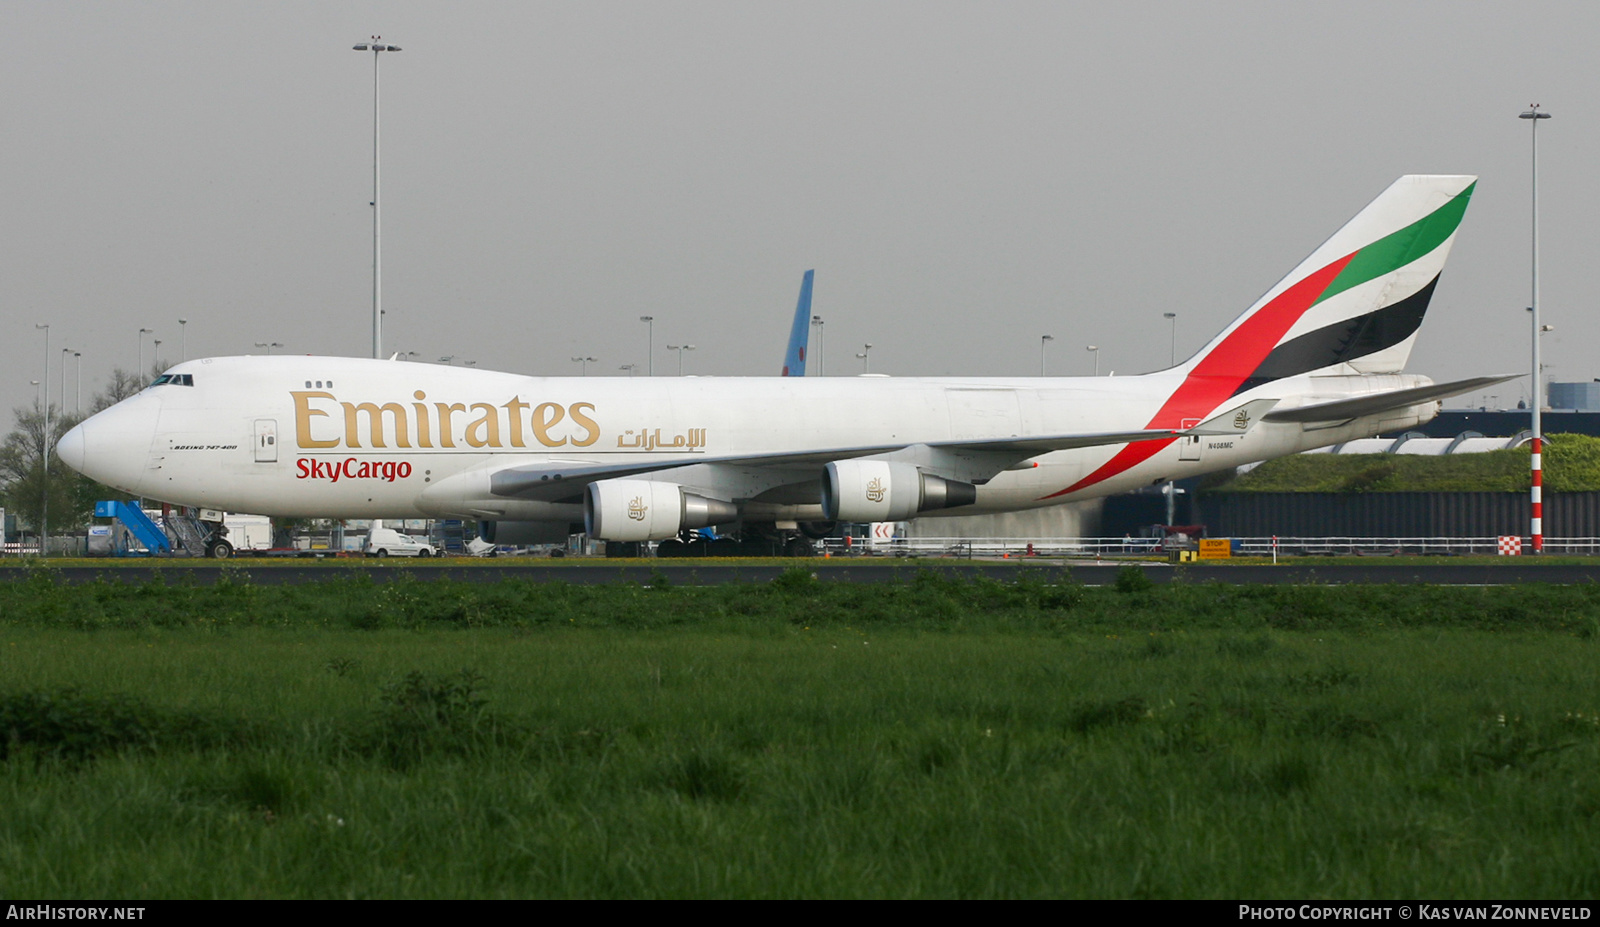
point(1343, 409)
point(550, 481)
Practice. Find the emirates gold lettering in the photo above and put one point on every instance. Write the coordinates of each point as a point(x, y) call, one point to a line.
point(375, 413)
point(545, 417)
point(425, 424)
point(303, 413)
point(514, 410)
point(875, 490)
point(422, 419)
point(591, 431)
point(485, 432)
point(447, 431)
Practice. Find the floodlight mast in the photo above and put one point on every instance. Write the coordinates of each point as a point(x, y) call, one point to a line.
point(376, 47)
point(1536, 491)
point(44, 470)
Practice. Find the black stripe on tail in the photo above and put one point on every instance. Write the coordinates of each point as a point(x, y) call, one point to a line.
point(1344, 341)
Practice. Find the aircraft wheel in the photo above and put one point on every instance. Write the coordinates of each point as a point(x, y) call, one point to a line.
point(799, 547)
point(219, 550)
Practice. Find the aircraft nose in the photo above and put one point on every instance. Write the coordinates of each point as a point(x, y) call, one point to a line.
point(71, 448)
point(113, 447)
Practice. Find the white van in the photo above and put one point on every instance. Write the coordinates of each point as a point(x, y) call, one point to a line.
point(387, 542)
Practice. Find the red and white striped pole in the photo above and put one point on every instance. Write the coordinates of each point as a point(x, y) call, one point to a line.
point(1538, 496)
point(1533, 115)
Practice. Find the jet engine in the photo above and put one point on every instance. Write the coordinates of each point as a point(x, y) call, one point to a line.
point(646, 510)
point(881, 490)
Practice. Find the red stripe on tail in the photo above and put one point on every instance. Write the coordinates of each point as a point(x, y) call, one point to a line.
point(1219, 373)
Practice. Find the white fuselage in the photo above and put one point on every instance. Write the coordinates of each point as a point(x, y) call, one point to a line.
point(355, 438)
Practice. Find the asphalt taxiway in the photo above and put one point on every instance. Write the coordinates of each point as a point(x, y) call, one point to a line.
point(712, 572)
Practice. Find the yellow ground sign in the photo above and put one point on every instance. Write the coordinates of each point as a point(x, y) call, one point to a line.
point(1215, 549)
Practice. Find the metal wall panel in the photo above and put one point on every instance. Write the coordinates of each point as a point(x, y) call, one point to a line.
point(1395, 514)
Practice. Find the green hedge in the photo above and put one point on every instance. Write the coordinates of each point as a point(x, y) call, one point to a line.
point(1571, 464)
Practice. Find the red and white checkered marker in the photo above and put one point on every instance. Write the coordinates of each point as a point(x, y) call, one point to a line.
point(1510, 546)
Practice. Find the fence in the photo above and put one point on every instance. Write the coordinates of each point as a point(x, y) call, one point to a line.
point(1117, 548)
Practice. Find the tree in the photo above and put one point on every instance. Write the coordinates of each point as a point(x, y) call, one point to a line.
point(72, 495)
point(119, 386)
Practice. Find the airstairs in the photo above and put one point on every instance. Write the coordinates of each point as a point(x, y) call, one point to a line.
point(191, 532)
point(133, 518)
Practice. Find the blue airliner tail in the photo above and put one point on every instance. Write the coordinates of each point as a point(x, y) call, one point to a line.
point(794, 359)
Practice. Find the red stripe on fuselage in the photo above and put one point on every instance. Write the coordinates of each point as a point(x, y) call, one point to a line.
point(1219, 373)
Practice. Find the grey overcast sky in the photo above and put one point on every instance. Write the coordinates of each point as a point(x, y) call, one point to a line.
point(964, 177)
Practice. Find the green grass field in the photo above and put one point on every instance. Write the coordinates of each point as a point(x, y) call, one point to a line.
point(932, 738)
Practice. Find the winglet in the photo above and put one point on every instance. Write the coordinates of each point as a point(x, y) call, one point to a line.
point(794, 359)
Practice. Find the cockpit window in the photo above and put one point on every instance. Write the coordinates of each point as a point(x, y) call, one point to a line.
point(174, 379)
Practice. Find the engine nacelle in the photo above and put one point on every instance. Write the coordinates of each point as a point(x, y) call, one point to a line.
point(524, 533)
point(647, 510)
point(881, 490)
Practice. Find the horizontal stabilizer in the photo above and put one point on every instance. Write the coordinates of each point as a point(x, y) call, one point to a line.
point(1235, 421)
point(1342, 409)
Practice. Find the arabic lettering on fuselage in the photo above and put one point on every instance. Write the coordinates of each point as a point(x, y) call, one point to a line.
point(647, 440)
point(513, 424)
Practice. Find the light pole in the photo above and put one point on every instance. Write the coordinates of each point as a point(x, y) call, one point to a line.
point(1536, 497)
point(376, 47)
point(585, 361)
point(650, 345)
point(1043, 340)
point(1095, 350)
point(1172, 361)
point(680, 348)
point(64, 353)
point(44, 471)
point(35, 385)
point(140, 371)
point(816, 323)
point(629, 368)
point(183, 337)
point(269, 345)
point(863, 357)
point(77, 391)
point(157, 344)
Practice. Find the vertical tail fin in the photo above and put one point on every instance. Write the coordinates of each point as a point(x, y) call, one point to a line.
point(1357, 301)
point(794, 359)
point(1353, 306)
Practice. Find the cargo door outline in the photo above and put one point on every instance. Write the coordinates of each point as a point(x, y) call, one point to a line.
point(1189, 445)
point(266, 440)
